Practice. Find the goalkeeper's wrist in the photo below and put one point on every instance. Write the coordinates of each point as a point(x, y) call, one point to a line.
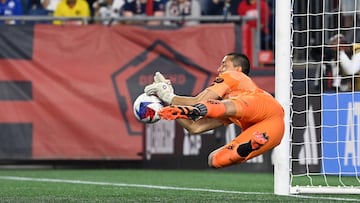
point(168, 97)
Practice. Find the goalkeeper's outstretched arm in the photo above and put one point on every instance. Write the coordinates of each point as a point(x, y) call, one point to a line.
point(190, 101)
point(199, 126)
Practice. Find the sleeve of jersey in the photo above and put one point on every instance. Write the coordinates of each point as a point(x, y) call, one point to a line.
point(222, 84)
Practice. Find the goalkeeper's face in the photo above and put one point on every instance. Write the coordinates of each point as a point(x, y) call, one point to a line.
point(227, 65)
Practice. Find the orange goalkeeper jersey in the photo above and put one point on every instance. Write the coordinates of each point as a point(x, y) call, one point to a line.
point(254, 103)
point(256, 112)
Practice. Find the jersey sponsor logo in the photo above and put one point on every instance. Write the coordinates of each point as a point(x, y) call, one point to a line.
point(219, 80)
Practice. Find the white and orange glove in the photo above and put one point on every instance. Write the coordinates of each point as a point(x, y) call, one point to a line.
point(161, 87)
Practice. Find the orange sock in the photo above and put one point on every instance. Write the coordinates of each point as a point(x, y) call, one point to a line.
point(214, 108)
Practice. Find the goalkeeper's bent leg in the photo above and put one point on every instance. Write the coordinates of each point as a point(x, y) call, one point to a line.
point(235, 153)
point(225, 156)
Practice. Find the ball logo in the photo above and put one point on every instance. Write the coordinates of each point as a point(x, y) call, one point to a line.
point(145, 112)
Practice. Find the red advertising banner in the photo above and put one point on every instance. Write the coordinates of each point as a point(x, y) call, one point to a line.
point(75, 84)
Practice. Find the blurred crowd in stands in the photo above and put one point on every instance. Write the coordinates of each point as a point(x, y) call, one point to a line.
point(104, 11)
point(114, 8)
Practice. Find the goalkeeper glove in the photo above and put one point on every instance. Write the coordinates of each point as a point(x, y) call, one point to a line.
point(158, 77)
point(162, 90)
point(161, 87)
point(173, 112)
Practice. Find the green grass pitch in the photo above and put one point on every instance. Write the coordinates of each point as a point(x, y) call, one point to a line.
point(133, 185)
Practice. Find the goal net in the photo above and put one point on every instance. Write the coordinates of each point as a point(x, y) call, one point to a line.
point(321, 146)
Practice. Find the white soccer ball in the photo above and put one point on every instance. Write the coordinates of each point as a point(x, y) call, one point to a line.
point(146, 108)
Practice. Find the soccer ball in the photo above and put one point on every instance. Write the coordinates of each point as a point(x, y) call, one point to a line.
point(146, 108)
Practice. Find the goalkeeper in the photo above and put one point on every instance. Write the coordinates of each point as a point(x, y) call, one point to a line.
point(232, 98)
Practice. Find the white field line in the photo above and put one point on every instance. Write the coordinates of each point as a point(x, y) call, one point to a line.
point(16, 178)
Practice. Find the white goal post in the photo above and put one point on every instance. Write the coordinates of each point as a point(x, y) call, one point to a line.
point(320, 151)
point(282, 94)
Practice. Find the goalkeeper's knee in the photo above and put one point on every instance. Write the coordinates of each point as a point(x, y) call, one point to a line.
point(211, 108)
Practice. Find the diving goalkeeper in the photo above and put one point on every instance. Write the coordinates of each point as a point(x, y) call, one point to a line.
point(231, 98)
